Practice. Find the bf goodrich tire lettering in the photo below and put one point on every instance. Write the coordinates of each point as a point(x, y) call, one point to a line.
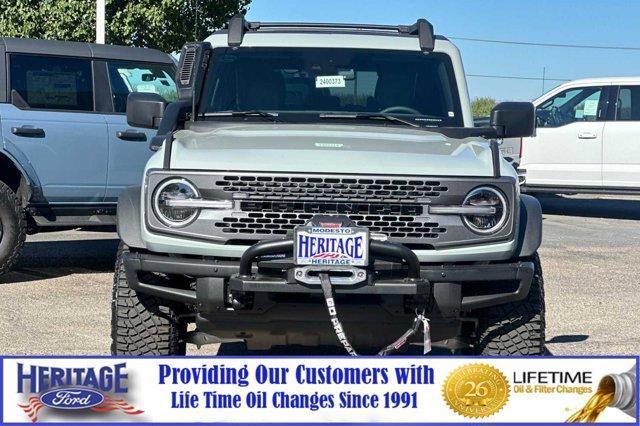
point(13, 227)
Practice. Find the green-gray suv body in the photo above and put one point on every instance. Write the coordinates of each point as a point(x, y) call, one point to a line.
point(315, 167)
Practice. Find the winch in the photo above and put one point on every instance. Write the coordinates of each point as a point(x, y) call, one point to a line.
point(334, 253)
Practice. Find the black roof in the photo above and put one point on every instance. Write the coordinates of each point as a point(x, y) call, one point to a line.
point(85, 50)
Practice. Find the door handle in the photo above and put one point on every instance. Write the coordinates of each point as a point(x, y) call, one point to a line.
point(28, 132)
point(587, 135)
point(132, 135)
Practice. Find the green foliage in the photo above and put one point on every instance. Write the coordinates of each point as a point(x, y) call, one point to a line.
point(161, 24)
point(72, 20)
point(481, 107)
point(167, 24)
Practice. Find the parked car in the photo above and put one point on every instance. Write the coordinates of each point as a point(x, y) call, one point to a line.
point(65, 153)
point(309, 168)
point(586, 139)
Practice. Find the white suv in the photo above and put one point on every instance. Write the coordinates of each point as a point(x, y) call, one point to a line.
point(587, 138)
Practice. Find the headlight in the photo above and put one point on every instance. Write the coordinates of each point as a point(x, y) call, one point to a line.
point(175, 191)
point(486, 223)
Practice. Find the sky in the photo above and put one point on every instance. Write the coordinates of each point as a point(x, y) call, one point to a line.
point(585, 22)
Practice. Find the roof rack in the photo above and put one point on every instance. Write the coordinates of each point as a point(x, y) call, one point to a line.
point(238, 26)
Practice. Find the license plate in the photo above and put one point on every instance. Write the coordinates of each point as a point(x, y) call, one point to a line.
point(345, 246)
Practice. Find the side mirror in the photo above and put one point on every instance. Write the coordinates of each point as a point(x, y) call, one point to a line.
point(145, 109)
point(513, 119)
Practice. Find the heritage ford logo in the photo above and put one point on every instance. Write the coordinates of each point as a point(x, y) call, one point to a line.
point(330, 245)
point(73, 388)
point(71, 398)
point(316, 246)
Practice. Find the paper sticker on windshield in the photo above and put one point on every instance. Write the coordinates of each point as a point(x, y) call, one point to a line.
point(323, 81)
point(146, 88)
point(590, 107)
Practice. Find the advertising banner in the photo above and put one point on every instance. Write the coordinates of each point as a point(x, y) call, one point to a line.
point(341, 389)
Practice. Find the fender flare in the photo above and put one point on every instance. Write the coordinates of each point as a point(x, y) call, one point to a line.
point(128, 219)
point(19, 159)
point(529, 227)
point(32, 190)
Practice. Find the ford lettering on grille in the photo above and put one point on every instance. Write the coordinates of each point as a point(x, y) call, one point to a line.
point(328, 246)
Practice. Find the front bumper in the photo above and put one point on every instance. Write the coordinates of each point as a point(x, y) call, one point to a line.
point(454, 288)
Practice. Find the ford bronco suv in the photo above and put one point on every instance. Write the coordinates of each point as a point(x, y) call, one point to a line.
point(323, 184)
point(65, 153)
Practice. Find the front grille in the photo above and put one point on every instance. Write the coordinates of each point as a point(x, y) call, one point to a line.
point(266, 223)
point(270, 205)
point(352, 189)
point(274, 205)
point(320, 207)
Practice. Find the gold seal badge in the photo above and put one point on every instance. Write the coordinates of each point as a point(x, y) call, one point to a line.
point(476, 390)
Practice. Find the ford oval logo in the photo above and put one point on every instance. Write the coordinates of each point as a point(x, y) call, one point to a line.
point(71, 398)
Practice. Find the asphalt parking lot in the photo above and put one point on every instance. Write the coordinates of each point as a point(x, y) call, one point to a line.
point(57, 299)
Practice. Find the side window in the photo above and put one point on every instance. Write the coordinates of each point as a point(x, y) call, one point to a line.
point(628, 104)
point(52, 82)
point(569, 106)
point(126, 77)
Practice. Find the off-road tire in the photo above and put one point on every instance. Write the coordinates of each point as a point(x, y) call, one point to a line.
point(516, 328)
point(142, 324)
point(14, 228)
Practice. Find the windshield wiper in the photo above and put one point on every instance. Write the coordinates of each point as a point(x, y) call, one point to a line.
point(248, 113)
point(371, 116)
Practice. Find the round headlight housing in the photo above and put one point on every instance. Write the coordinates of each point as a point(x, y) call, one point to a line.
point(488, 223)
point(175, 189)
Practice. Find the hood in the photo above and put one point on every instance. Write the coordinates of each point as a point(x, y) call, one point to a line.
point(322, 148)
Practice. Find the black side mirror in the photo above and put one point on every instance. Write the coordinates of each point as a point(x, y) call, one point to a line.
point(145, 109)
point(513, 119)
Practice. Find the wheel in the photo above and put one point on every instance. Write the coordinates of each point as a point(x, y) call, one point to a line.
point(13, 228)
point(516, 328)
point(142, 324)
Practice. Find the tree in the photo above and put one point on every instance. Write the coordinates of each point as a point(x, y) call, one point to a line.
point(481, 107)
point(71, 20)
point(167, 24)
point(161, 24)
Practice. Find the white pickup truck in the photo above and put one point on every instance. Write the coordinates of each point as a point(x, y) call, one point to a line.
point(587, 139)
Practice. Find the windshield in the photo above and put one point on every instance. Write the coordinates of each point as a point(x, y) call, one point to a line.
point(316, 82)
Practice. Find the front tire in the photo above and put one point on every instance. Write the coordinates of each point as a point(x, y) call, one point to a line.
point(516, 328)
point(142, 324)
point(13, 228)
